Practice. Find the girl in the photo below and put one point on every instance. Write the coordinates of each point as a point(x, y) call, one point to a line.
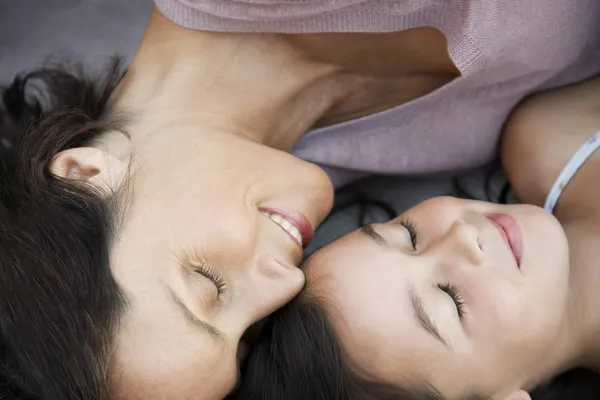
point(457, 299)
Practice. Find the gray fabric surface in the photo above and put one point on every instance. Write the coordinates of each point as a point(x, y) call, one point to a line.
point(31, 30)
point(92, 30)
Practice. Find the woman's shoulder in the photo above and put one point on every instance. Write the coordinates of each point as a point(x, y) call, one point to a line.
point(542, 135)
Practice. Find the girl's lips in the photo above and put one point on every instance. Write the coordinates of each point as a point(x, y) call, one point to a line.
point(510, 232)
point(298, 220)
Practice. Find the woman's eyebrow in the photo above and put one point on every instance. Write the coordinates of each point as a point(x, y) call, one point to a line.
point(203, 326)
point(423, 317)
point(372, 233)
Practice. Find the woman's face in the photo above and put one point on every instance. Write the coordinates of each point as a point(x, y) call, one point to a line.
point(199, 257)
point(463, 295)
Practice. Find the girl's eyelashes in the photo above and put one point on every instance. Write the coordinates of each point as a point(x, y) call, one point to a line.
point(412, 231)
point(454, 294)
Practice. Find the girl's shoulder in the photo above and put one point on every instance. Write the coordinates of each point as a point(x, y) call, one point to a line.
point(542, 135)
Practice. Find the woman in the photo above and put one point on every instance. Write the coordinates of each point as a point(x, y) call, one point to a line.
point(458, 299)
point(138, 243)
point(145, 235)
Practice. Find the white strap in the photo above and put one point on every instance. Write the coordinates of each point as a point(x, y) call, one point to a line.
point(574, 164)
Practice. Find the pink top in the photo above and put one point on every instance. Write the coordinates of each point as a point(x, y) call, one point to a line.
point(504, 49)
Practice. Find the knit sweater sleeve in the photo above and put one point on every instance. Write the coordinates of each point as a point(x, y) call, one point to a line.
point(276, 16)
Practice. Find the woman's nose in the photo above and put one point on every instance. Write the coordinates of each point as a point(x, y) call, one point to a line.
point(462, 241)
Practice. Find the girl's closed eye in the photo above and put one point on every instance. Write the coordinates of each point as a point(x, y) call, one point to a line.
point(411, 228)
point(454, 293)
point(450, 289)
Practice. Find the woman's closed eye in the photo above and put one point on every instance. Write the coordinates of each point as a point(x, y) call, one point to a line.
point(207, 272)
point(189, 261)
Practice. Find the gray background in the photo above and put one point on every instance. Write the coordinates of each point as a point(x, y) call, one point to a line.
point(30, 30)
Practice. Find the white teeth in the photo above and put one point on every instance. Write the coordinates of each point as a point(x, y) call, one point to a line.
point(286, 225)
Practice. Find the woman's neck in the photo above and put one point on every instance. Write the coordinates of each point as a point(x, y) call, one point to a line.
point(273, 88)
point(258, 86)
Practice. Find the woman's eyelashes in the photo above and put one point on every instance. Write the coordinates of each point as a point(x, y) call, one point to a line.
point(210, 274)
point(191, 263)
point(454, 293)
point(412, 231)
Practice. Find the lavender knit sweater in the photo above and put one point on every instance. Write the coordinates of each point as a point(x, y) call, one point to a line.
point(504, 49)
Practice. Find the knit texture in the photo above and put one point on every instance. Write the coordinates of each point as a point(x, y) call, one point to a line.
point(504, 49)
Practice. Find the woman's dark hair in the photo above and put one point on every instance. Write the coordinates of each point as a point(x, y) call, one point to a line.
point(298, 357)
point(59, 303)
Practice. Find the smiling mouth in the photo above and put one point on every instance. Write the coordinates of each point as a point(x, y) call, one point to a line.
point(286, 225)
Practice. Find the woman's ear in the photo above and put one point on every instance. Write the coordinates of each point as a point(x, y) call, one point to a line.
point(89, 165)
point(518, 395)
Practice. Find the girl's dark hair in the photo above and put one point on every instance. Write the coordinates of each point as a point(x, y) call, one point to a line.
point(299, 357)
point(59, 303)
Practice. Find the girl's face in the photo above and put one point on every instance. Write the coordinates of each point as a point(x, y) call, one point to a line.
point(465, 296)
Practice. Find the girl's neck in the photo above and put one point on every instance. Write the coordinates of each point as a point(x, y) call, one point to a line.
point(583, 236)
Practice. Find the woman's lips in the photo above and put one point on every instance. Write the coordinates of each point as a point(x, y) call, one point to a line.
point(510, 232)
point(294, 224)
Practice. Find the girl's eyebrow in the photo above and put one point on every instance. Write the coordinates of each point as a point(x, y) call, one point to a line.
point(371, 233)
point(423, 317)
point(425, 321)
